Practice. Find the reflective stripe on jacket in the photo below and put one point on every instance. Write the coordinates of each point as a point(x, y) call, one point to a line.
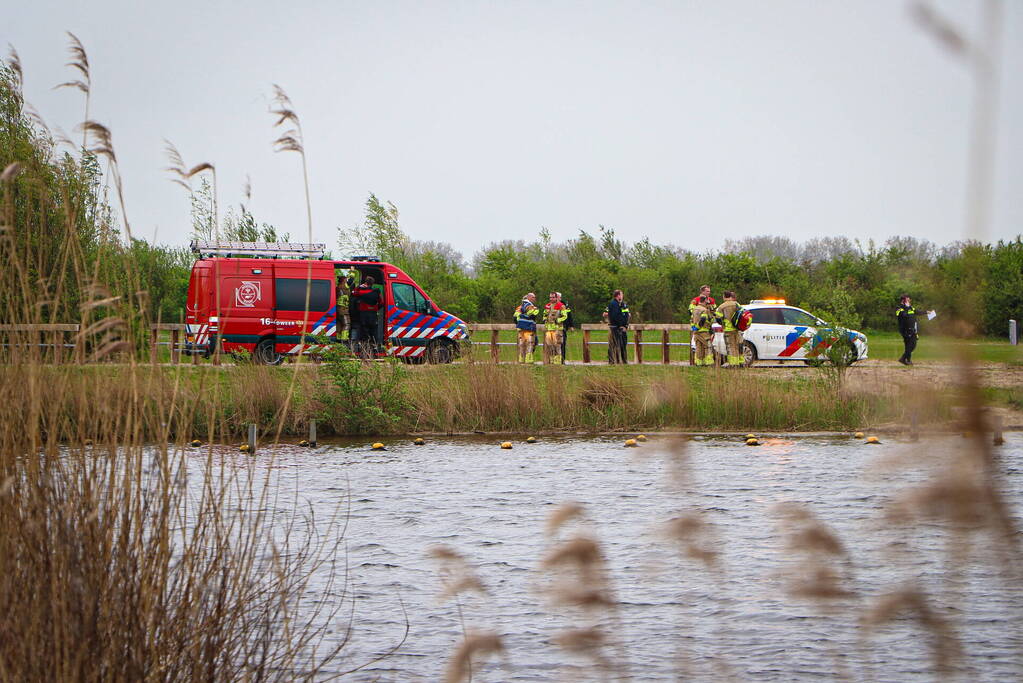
point(525, 315)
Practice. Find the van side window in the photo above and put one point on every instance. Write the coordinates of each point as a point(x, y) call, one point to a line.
point(291, 294)
point(769, 316)
point(404, 296)
point(408, 298)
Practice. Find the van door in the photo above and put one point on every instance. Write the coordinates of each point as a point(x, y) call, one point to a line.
point(412, 322)
point(292, 288)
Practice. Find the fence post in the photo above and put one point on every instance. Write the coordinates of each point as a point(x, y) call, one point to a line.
point(996, 428)
point(666, 347)
point(586, 346)
point(79, 346)
point(495, 350)
point(312, 433)
point(154, 335)
point(1013, 333)
point(58, 347)
point(252, 439)
point(639, 345)
point(175, 350)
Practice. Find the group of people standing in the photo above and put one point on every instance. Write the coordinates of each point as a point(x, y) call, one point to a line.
point(362, 302)
point(556, 317)
point(706, 319)
point(705, 316)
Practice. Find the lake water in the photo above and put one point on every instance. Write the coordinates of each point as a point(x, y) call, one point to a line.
point(674, 616)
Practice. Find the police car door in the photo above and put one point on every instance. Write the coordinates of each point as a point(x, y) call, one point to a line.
point(767, 331)
point(801, 331)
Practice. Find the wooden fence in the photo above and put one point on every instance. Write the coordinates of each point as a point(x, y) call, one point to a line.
point(54, 341)
point(593, 335)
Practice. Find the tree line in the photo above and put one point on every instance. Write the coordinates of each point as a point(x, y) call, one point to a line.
point(61, 227)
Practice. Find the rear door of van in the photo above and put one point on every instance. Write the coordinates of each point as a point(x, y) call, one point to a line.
point(246, 300)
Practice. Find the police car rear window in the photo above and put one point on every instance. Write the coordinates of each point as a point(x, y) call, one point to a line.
point(291, 294)
point(769, 316)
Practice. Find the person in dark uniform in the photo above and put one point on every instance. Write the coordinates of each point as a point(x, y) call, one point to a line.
point(569, 324)
point(906, 315)
point(617, 316)
point(367, 301)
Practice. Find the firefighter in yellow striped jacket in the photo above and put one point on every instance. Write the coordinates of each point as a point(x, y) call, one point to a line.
point(727, 315)
point(700, 338)
point(555, 313)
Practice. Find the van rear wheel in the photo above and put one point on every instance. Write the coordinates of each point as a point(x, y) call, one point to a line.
point(266, 353)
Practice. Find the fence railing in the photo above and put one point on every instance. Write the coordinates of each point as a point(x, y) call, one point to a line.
point(60, 342)
point(637, 343)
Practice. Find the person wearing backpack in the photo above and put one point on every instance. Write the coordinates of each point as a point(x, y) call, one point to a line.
point(727, 315)
point(526, 314)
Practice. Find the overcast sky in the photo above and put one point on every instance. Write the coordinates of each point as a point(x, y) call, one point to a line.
point(687, 121)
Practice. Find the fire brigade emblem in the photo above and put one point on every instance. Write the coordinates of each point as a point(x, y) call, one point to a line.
point(247, 294)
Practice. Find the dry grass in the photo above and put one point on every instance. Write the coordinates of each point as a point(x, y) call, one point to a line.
point(124, 556)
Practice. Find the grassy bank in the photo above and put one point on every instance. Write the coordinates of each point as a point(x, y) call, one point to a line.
point(216, 404)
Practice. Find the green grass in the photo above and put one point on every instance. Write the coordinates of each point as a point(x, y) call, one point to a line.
point(883, 346)
point(888, 346)
point(218, 404)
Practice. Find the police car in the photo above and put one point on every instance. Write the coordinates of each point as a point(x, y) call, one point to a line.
point(780, 332)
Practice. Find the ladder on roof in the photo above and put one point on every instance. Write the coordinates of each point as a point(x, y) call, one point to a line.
point(258, 249)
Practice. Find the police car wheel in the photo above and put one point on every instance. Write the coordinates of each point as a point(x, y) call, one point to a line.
point(439, 351)
point(266, 354)
point(749, 354)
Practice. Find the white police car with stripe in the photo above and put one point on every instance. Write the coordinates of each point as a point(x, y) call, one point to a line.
point(780, 332)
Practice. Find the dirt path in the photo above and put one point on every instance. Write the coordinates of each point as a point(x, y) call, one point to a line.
point(934, 374)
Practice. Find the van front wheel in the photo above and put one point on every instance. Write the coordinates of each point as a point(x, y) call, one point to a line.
point(266, 354)
point(440, 351)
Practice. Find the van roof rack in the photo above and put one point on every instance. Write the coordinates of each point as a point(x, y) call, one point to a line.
point(258, 249)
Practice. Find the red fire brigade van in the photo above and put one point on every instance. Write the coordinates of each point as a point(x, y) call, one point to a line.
point(252, 296)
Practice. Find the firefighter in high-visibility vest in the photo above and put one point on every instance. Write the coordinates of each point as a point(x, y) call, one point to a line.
point(555, 314)
point(526, 314)
point(700, 324)
point(727, 315)
point(344, 321)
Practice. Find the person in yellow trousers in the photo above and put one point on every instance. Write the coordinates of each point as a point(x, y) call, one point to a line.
point(700, 324)
point(555, 313)
point(727, 315)
point(526, 314)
